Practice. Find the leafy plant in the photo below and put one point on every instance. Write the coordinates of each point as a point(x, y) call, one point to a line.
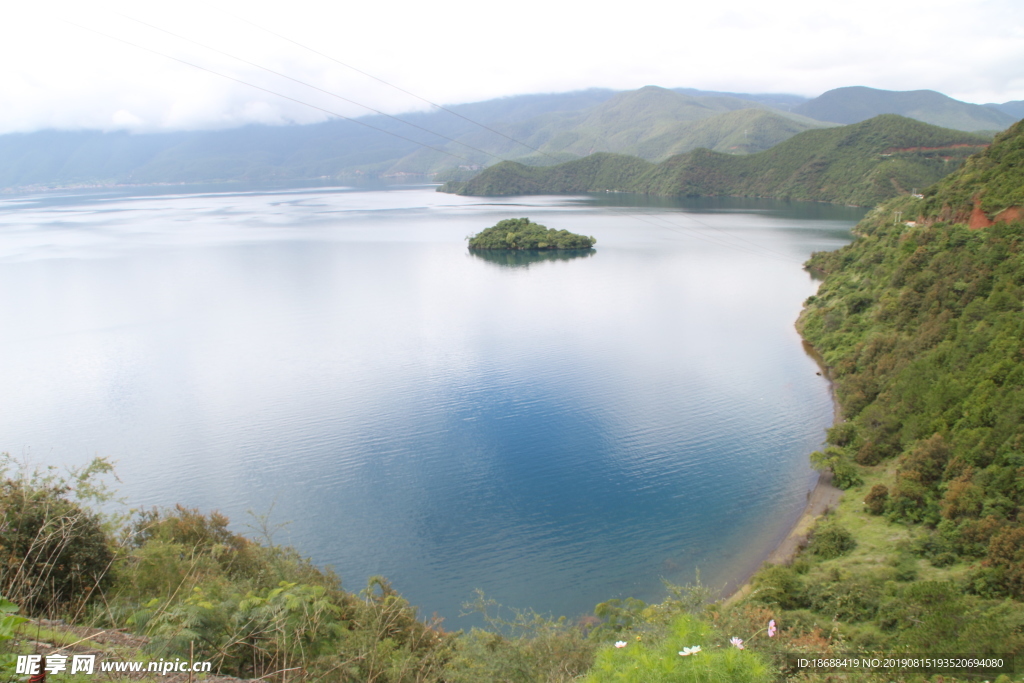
point(829, 540)
point(522, 647)
point(54, 552)
point(690, 651)
point(9, 619)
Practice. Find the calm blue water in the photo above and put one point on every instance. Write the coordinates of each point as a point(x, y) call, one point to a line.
point(556, 432)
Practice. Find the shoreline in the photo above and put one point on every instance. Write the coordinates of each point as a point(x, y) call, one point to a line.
point(821, 499)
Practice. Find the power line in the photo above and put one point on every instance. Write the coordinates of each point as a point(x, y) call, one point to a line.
point(310, 85)
point(690, 217)
point(764, 252)
point(267, 90)
point(392, 85)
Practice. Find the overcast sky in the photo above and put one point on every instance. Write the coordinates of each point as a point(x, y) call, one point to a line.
point(58, 74)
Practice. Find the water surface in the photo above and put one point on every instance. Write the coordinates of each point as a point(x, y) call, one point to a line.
point(554, 431)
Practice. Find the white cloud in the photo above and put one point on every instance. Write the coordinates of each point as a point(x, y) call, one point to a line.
point(67, 75)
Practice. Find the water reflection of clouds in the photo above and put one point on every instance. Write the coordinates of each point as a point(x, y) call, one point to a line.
point(551, 432)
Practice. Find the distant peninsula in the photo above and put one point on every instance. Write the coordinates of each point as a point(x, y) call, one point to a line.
point(523, 234)
point(861, 164)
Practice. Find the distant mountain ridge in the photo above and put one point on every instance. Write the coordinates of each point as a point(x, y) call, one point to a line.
point(651, 123)
point(859, 164)
point(1015, 109)
point(858, 103)
point(563, 126)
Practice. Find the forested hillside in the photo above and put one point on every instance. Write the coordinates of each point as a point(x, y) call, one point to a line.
point(920, 321)
point(859, 164)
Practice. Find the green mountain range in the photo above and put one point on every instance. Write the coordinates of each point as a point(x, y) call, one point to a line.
point(541, 129)
point(369, 146)
point(859, 164)
point(650, 123)
point(857, 103)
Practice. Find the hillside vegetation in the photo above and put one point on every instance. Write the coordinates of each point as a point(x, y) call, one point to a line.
point(921, 323)
point(191, 589)
point(860, 164)
point(992, 181)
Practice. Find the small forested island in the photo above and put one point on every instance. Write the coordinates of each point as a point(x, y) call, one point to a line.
point(522, 233)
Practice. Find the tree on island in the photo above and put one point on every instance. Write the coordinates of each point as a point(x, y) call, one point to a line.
point(520, 233)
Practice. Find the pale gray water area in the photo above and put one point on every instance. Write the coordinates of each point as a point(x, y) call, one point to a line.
point(555, 432)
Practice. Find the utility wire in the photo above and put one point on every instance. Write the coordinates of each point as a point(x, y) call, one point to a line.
point(392, 85)
point(690, 217)
point(310, 85)
point(710, 239)
point(266, 90)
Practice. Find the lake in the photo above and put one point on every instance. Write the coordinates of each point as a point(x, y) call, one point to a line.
point(553, 431)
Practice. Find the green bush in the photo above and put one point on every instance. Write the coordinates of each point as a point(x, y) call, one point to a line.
point(778, 585)
point(830, 540)
point(9, 619)
point(877, 498)
point(54, 552)
point(524, 646)
point(844, 472)
point(849, 599)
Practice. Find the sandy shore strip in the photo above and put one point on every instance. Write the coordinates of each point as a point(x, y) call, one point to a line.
point(822, 498)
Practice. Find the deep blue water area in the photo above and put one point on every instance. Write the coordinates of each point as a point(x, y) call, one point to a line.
point(554, 431)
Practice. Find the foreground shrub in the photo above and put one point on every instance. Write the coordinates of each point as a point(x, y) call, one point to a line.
point(691, 652)
point(524, 647)
point(54, 552)
point(9, 620)
point(778, 585)
point(829, 540)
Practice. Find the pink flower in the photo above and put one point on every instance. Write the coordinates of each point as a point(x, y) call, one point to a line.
point(620, 643)
point(771, 628)
point(738, 643)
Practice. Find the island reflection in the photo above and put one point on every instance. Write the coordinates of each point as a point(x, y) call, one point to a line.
point(522, 258)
